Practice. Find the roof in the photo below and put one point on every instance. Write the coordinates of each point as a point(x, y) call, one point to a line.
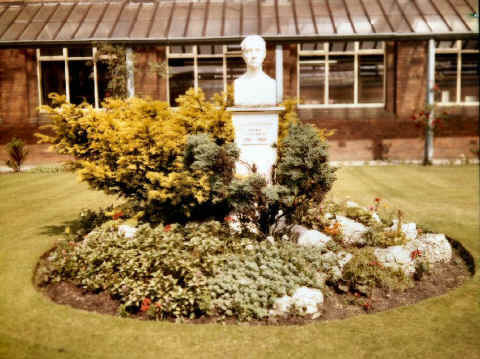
point(181, 21)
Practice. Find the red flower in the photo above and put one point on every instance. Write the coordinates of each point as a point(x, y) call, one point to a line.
point(228, 218)
point(377, 199)
point(416, 253)
point(145, 305)
point(117, 215)
point(167, 228)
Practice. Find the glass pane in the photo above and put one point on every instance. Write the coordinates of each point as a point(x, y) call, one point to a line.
point(80, 52)
point(53, 79)
point(210, 76)
point(312, 80)
point(341, 78)
point(81, 82)
point(51, 51)
point(446, 77)
point(235, 68)
point(103, 81)
point(181, 77)
point(370, 79)
point(470, 77)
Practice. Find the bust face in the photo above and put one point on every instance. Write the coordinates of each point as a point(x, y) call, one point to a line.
point(253, 52)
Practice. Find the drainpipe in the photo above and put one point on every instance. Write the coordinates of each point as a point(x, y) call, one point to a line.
point(279, 72)
point(428, 155)
point(130, 75)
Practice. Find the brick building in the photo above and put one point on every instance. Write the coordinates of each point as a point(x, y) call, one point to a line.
point(358, 66)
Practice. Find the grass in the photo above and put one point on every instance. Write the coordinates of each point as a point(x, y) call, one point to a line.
point(32, 206)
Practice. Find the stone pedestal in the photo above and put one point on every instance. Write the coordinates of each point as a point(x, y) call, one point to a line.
point(256, 134)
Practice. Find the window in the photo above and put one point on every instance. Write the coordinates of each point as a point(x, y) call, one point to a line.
point(72, 72)
point(341, 74)
point(457, 73)
point(209, 67)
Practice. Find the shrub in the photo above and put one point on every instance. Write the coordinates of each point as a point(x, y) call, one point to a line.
point(17, 153)
point(136, 148)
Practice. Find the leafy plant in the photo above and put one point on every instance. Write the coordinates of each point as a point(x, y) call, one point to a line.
point(115, 57)
point(364, 271)
point(17, 153)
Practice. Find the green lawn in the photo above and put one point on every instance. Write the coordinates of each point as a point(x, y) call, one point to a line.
point(444, 199)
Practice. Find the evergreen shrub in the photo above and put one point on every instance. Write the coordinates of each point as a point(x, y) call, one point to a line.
point(17, 153)
point(136, 148)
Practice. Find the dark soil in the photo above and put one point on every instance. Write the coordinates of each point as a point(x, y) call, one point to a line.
point(439, 280)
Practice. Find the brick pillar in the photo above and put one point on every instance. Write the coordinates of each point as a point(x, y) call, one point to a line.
point(411, 79)
point(148, 83)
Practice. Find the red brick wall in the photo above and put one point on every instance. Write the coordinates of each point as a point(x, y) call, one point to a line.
point(18, 94)
point(148, 83)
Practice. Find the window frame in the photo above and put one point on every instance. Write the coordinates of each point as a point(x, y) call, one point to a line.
point(356, 53)
point(457, 50)
point(66, 59)
point(226, 53)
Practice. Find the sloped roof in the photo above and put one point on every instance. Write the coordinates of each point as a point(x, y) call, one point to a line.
point(170, 21)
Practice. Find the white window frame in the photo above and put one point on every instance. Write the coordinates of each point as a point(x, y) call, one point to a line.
point(66, 58)
point(457, 50)
point(226, 53)
point(325, 52)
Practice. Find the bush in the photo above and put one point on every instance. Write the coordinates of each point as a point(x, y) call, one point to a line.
point(17, 153)
point(136, 148)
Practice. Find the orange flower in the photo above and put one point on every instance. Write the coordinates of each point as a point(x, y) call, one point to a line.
point(228, 218)
point(167, 228)
point(145, 305)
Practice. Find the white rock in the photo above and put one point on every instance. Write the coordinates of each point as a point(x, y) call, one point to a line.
point(305, 300)
point(351, 204)
point(434, 248)
point(127, 231)
point(352, 231)
point(396, 257)
point(313, 238)
point(376, 218)
point(343, 258)
point(409, 229)
point(299, 229)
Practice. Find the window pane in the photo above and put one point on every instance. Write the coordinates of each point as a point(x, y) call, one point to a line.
point(210, 76)
point(53, 79)
point(81, 82)
point(341, 78)
point(446, 77)
point(235, 68)
point(312, 80)
point(80, 52)
point(181, 77)
point(102, 78)
point(470, 77)
point(51, 51)
point(370, 79)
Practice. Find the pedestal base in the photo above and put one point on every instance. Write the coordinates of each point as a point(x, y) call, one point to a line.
point(256, 134)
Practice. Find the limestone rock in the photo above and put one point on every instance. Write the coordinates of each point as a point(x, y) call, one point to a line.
point(434, 248)
point(313, 238)
point(343, 258)
point(396, 257)
point(305, 300)
point(409, 229)
point(127, 231)
point(352, 231)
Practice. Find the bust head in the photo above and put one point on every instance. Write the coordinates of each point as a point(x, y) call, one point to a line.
point(253, 52)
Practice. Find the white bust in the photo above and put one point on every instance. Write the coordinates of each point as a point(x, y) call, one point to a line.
point(254, 87)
